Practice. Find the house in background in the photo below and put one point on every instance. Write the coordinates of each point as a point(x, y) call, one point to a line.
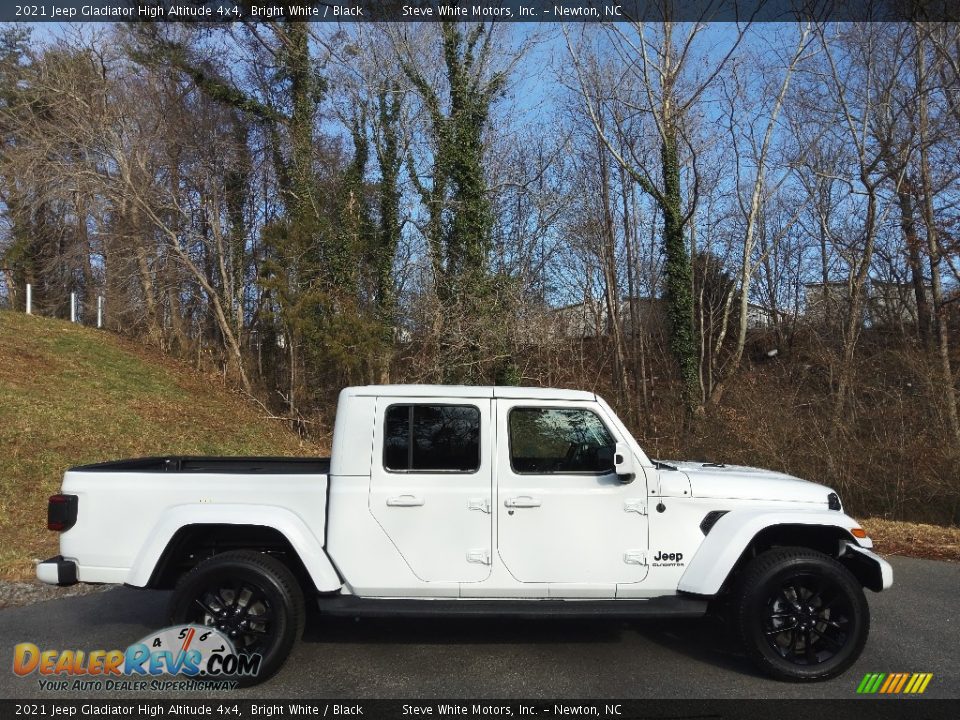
point(591, 318)
point(581, 320)
point(892, 303)
point(759, 317)
point(885, 303)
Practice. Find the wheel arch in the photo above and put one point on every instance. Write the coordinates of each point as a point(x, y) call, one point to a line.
point(192, 544)
point(186, 535)
point(739, 536)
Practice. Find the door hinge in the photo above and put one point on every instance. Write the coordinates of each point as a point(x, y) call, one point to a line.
point(637, 506)
point(478, 556)
point(635, 557)
point(481, 504)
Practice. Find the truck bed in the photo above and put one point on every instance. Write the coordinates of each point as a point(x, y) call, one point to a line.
point(146, 501)
point(219, 465)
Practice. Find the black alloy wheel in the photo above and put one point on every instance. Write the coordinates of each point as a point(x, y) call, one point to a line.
point(250, 597)
point(241, 611)
point(801, 615)
point(808, 619)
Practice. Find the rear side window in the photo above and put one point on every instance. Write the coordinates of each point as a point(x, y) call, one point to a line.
point(432, 438)
point(549, 440)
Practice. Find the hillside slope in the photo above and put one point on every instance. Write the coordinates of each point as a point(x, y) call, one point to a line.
point(72, 395)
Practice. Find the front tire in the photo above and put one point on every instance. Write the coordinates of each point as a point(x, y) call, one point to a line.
point(252, 598)
point(801, 615)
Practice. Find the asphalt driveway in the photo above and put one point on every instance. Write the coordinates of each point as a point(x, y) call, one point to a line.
point(915, 628)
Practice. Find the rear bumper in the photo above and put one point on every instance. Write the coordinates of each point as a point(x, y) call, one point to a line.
point(57, 571)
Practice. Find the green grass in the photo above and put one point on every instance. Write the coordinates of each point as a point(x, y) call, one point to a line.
point(71, 395)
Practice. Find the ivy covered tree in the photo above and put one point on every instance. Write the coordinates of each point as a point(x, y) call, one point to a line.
point(455, 193)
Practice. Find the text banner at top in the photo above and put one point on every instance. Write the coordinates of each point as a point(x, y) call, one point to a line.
point(343, 11)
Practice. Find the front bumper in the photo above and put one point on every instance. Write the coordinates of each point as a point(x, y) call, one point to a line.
point(872, 570)
point(57, 571)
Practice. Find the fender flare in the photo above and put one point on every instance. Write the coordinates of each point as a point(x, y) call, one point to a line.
point(287, 523)
point(722, 548)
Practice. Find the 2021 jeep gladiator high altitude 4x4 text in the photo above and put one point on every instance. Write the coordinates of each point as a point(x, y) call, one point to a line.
point(489, 500)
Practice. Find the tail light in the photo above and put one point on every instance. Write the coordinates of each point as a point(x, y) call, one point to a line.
point(61, 512)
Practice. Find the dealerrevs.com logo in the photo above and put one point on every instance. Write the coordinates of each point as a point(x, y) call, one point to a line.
point(202, 655)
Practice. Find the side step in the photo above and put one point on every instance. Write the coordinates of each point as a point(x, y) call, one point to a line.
point(669, 606)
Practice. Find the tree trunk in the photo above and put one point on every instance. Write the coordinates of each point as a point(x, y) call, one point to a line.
point(678, 275)
point(856, 291)
point(909, 228)
point(934, 250)
point(611, 284)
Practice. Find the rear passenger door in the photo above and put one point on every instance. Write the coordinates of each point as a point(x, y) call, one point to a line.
point(431, 484)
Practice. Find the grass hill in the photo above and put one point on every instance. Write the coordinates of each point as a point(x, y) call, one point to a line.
point(72, 395)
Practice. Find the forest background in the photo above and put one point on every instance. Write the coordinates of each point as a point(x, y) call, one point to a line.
point(743, 236)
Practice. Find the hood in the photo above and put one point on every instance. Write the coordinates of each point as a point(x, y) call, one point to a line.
point(708, 480)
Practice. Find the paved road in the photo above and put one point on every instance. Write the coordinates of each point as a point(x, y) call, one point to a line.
point(916, 628)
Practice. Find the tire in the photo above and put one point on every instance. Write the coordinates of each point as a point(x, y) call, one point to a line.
point(254, 585)
point(815, 603)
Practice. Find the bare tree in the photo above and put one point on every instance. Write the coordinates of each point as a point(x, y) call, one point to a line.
point(658, 67)
point(926, 137)
point(752, 208)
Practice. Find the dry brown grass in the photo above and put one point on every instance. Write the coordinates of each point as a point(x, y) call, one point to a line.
point(893, 537)
point(71, 395)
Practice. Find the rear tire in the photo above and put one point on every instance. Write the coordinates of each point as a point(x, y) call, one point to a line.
point(800, 614)
point(252, 598)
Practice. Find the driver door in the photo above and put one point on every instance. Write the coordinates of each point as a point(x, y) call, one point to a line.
point(563, 516)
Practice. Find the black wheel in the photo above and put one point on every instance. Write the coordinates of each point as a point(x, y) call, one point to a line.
point(252, 598)
point(801, 615)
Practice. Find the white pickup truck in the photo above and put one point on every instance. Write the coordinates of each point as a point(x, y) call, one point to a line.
point(476, 500)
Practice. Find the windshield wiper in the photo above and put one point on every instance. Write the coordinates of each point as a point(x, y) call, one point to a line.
point(660, 465)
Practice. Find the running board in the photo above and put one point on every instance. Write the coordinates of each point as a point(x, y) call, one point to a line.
point(669, 606)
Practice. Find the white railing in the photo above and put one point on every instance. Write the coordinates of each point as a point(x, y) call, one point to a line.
point(74, 315)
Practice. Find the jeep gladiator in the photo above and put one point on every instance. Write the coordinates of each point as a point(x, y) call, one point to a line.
point(496, 501)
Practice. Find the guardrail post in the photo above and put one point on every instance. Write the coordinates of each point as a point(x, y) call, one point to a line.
point(73, 307)
point(99, 311)
point(29, 299)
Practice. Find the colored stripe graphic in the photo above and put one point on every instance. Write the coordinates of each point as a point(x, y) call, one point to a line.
point(894, 683)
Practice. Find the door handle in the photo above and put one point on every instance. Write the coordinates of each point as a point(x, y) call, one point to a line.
point(405, 501)
point(523, 501)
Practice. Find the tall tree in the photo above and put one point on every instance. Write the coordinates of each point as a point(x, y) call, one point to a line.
point(455, 191)
point(926, 137)
point(667, 89)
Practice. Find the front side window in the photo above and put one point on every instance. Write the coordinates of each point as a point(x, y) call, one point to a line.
point(432, 438)
point(550, 440)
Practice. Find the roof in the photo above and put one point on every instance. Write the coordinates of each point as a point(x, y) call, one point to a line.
point(470, 391)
